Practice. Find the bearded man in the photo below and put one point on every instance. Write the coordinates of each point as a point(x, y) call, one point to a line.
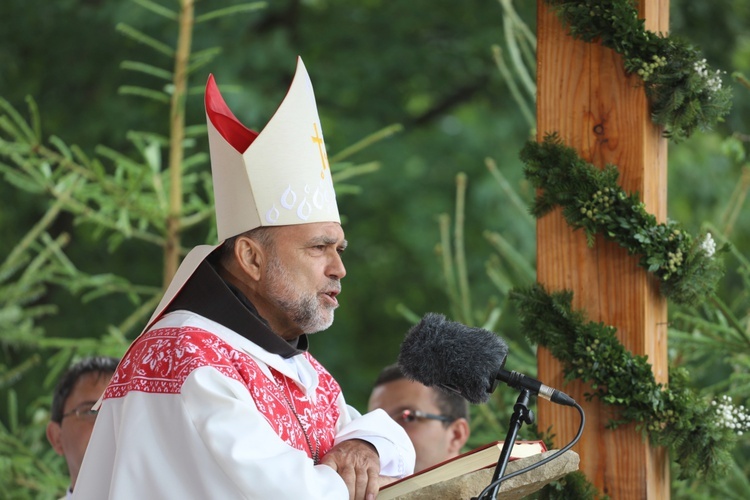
point(219, 398)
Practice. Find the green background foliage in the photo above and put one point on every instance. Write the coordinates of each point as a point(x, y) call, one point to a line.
point(426, 65)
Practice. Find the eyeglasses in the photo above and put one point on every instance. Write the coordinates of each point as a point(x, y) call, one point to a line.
point(83, 412)
point(408, 416)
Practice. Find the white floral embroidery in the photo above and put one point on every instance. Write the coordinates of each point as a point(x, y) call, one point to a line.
point(161, 360)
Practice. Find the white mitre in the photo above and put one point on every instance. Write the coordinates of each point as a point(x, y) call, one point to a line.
point(277, 177)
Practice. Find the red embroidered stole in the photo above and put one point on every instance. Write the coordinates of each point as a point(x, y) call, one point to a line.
point(160, 361)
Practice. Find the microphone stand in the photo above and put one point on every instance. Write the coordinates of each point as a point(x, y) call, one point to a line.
point(521, 415)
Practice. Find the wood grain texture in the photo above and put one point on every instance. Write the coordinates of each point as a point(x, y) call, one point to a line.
point(584, 95)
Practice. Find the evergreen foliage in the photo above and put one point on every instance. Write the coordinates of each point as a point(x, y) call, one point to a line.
point(683, 93)
point(592, 200)
point(673, 416)
point(702, 272)
point(454, 108)
point(574, 485)
point(155, 193)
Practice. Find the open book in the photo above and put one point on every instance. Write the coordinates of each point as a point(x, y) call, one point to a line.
point(478, 458)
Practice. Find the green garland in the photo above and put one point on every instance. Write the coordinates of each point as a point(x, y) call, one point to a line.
point(682, 92)
point(573, 485)
point(697, 437)
point(683, 95)
point(592, 200)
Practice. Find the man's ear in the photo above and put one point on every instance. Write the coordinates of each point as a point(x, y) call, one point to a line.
point(54, 437)
point(459, 434)
point(250, 256)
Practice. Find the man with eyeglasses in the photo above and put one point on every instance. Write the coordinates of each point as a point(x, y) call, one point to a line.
point(436, 421)
point(71, 416)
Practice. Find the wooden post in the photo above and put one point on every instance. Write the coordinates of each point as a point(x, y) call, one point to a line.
point(585, 96)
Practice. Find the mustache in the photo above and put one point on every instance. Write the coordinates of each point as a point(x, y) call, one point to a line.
point(333, 286)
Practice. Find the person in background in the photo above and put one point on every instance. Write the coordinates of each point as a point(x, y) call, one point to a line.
point(436, 421)
point(71, 416)
point(219, 397)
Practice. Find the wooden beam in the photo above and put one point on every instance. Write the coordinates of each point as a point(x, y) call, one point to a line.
point(584, 95)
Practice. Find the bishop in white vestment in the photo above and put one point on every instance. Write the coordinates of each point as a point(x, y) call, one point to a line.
point(210, 402)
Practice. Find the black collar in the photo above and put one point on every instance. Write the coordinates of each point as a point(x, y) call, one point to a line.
point(207, 294)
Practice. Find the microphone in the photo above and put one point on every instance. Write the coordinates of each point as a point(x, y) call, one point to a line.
point(521, 381)
point(465, 360)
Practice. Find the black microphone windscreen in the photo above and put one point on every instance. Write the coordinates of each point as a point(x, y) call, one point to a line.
point(447, 354)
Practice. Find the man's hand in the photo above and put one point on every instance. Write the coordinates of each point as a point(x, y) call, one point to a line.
point(358, 464)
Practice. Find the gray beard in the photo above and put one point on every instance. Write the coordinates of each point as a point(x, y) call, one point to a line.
point(304, 309)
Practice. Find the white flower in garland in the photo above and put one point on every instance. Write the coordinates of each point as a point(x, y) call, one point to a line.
point(730, 416)
point(712, 82)
point(701, 68)
point(708, 245)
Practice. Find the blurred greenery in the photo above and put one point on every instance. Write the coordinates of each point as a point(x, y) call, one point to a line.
point(433, 67)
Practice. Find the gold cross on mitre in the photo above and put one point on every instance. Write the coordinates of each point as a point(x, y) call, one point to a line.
point(317, 139)
point(274, 177)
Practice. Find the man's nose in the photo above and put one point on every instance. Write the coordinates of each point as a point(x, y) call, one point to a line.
point(336, 269)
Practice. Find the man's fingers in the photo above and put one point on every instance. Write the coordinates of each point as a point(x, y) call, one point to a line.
point(365, 481)
point(373, 484)
point(348, 474)
point(360, 483)
point(359, 467)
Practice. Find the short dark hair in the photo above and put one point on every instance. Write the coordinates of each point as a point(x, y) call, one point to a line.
point(263, 235)
point(97, 364)
point(451, 404)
